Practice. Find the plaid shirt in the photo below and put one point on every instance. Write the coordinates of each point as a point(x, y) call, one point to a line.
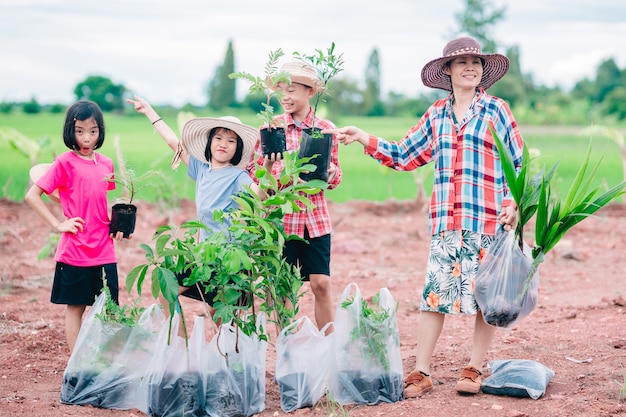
point(469, 185)
point(317, 222)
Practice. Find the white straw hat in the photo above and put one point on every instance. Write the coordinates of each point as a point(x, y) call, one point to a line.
point(36, 172)
point(196, 131)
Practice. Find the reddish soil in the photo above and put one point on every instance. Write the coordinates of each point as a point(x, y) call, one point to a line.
point(578, 328)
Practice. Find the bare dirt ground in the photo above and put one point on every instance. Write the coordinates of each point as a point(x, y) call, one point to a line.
point(578, 328)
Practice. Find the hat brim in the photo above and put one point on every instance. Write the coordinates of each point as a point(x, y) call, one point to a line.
point(315, 84)
point(36, 172)
point(196, 131)
point(495, 67)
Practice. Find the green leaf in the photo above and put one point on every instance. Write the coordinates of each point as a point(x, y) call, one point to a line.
point(138, 271)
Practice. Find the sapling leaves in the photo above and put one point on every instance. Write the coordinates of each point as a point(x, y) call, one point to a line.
point(372, 329)
point(327, 63)
point(266, 85)
point(554, 217)
point(243, 263)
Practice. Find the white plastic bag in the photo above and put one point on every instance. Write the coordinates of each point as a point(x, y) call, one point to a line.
point(517, 378)
point(110, 359)
point(507, 282)
point(243, 358)
point(368, 362)
point(303, 362)
point(173, 386)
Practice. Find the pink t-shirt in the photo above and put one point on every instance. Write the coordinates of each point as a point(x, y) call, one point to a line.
point(83, 193)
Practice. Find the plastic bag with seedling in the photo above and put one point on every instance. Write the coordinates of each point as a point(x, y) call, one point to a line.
point(367, 361)
point(241, 265)
point(554, 218)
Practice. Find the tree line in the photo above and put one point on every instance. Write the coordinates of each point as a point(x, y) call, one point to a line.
point(600, 99)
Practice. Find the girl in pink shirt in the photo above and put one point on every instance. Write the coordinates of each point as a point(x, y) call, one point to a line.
point(86, 249)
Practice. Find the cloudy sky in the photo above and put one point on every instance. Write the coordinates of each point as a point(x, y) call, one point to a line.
point(166, 51)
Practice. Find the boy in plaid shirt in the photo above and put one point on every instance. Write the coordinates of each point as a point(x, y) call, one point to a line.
point(314, 226)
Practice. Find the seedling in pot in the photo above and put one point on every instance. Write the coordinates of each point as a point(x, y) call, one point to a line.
point(314, 144)
point(327, 65)
point(124, 213)
point(272, 135)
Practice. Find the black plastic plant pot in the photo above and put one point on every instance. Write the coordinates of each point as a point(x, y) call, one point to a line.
point(89, 388)
point(176, 396)
point(294, 392)
point(314, 144)
point(366, 389)
point(252, 388)
point(123, 217)
point(221, 398)
point(273, 141)
point(501, 312)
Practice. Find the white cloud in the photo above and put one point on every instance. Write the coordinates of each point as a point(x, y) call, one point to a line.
point(169, 53)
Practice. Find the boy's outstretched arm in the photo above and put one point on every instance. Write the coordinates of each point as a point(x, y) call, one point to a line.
point(162, 128)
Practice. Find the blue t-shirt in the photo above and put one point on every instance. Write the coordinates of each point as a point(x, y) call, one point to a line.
point(214, 191)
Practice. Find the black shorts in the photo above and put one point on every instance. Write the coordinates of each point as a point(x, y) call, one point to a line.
point(81, 285)
point(198, 291)
point(312, 255)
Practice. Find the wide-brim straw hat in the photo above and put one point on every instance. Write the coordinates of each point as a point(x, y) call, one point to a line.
point(196, 131)
point(302, 73)
point(495, 66)
point(36, 172)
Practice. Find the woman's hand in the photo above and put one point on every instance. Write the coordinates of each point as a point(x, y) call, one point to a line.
point(508, 217)
point(349, 134)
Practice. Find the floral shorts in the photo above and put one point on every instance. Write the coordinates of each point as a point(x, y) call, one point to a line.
point(452, 264)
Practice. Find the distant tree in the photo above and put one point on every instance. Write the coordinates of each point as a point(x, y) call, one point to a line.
point(372, 104)
point(608, 78)
point(606, 91)
point(584, 89)
point(254, 102)
point(56, 108)
point(347, 98)
point(476, 21)
point(102, 91)
point(398, 104)
point(222, 89)
point(615, 103)
point(6, 107)
point(31, 107)
point(514, 86)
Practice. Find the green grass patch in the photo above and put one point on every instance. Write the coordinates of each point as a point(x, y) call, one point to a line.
point(363, 177)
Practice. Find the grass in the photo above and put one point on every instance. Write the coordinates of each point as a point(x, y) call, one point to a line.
point(363, 178)
point(621, 396)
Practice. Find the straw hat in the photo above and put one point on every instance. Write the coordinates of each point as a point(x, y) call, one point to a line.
point(196, 135)
point(302, 73)
point(36, 172)
point(494, 67)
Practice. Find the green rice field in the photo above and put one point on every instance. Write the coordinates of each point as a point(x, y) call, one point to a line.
point(363, 178)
